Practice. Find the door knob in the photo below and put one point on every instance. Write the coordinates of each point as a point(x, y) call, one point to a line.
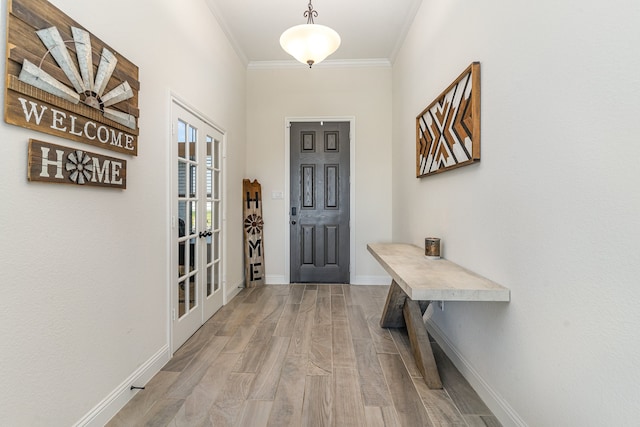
point(293, 223)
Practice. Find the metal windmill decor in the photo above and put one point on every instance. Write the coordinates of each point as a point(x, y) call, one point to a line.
point(63, 81)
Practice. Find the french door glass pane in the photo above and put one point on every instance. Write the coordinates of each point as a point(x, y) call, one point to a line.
point(192, 254)
point(216, 276)
point(216, 187)
point(209, 274)
point(216, 246)
point(181, 260)
point(193, 172)
point(181, 299)
point(182, 179)
point(192, 291)
point(182, 218)
point(212, 181)
point(192, 217)
point(182, 139)
point(209, 228)
point(192, 134)
point(216, 216)
point(216, 156)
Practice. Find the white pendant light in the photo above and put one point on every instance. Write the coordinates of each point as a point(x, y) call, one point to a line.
point(310, 43)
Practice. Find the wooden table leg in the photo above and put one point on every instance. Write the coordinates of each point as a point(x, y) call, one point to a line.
point(400, 311)
point(420, 345)
point(392, 316)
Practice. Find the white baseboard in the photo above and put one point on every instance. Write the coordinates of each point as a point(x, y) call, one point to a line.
point(119, 397)
point(115, 401)
point(232, 292)
point(371, 280)
point(498, 405)
point(274, 279)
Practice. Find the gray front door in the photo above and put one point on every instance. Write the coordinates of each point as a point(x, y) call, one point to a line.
point(319, 217)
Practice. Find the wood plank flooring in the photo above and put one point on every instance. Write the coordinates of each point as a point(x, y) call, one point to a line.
point(302, 355)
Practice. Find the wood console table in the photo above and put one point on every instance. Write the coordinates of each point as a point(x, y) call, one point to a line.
point(417, 281)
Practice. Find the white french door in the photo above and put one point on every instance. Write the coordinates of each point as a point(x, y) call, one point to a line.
point(197, 291)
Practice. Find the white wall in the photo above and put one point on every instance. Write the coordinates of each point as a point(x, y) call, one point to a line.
point(363, 93)
point(553, 209)
point(85, 270)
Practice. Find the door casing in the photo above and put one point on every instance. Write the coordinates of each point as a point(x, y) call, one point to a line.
point(352, 187)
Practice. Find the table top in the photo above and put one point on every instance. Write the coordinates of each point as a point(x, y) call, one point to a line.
point(434, 279)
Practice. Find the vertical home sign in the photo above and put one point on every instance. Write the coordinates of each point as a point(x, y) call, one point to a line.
point(253, 239)
point(64, 81)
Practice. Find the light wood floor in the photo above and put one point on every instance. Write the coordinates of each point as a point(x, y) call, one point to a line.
point(302, 355)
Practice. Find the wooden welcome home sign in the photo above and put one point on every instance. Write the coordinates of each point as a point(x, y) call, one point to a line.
point(64, 81)
point(448, 130)
point(55, 163)
point(253, 239)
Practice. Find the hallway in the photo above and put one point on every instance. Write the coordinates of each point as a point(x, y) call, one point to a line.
point(302, 355)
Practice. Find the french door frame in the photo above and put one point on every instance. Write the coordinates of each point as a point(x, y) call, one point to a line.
point(172, 270)
point(352, 189)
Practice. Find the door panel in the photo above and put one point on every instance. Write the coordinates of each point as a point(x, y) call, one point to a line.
point(319, 225)
point(196, 290)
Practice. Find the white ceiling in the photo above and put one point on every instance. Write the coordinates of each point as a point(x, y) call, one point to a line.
point(369, 29)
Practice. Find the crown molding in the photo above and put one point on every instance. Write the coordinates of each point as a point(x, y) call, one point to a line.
point(226, 29)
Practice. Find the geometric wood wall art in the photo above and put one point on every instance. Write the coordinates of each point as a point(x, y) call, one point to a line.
point(253, 237)
point(448, 130)
point(64, 81)
point(63, 165)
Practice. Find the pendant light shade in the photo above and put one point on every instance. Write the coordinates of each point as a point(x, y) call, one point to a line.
point(310, 43)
